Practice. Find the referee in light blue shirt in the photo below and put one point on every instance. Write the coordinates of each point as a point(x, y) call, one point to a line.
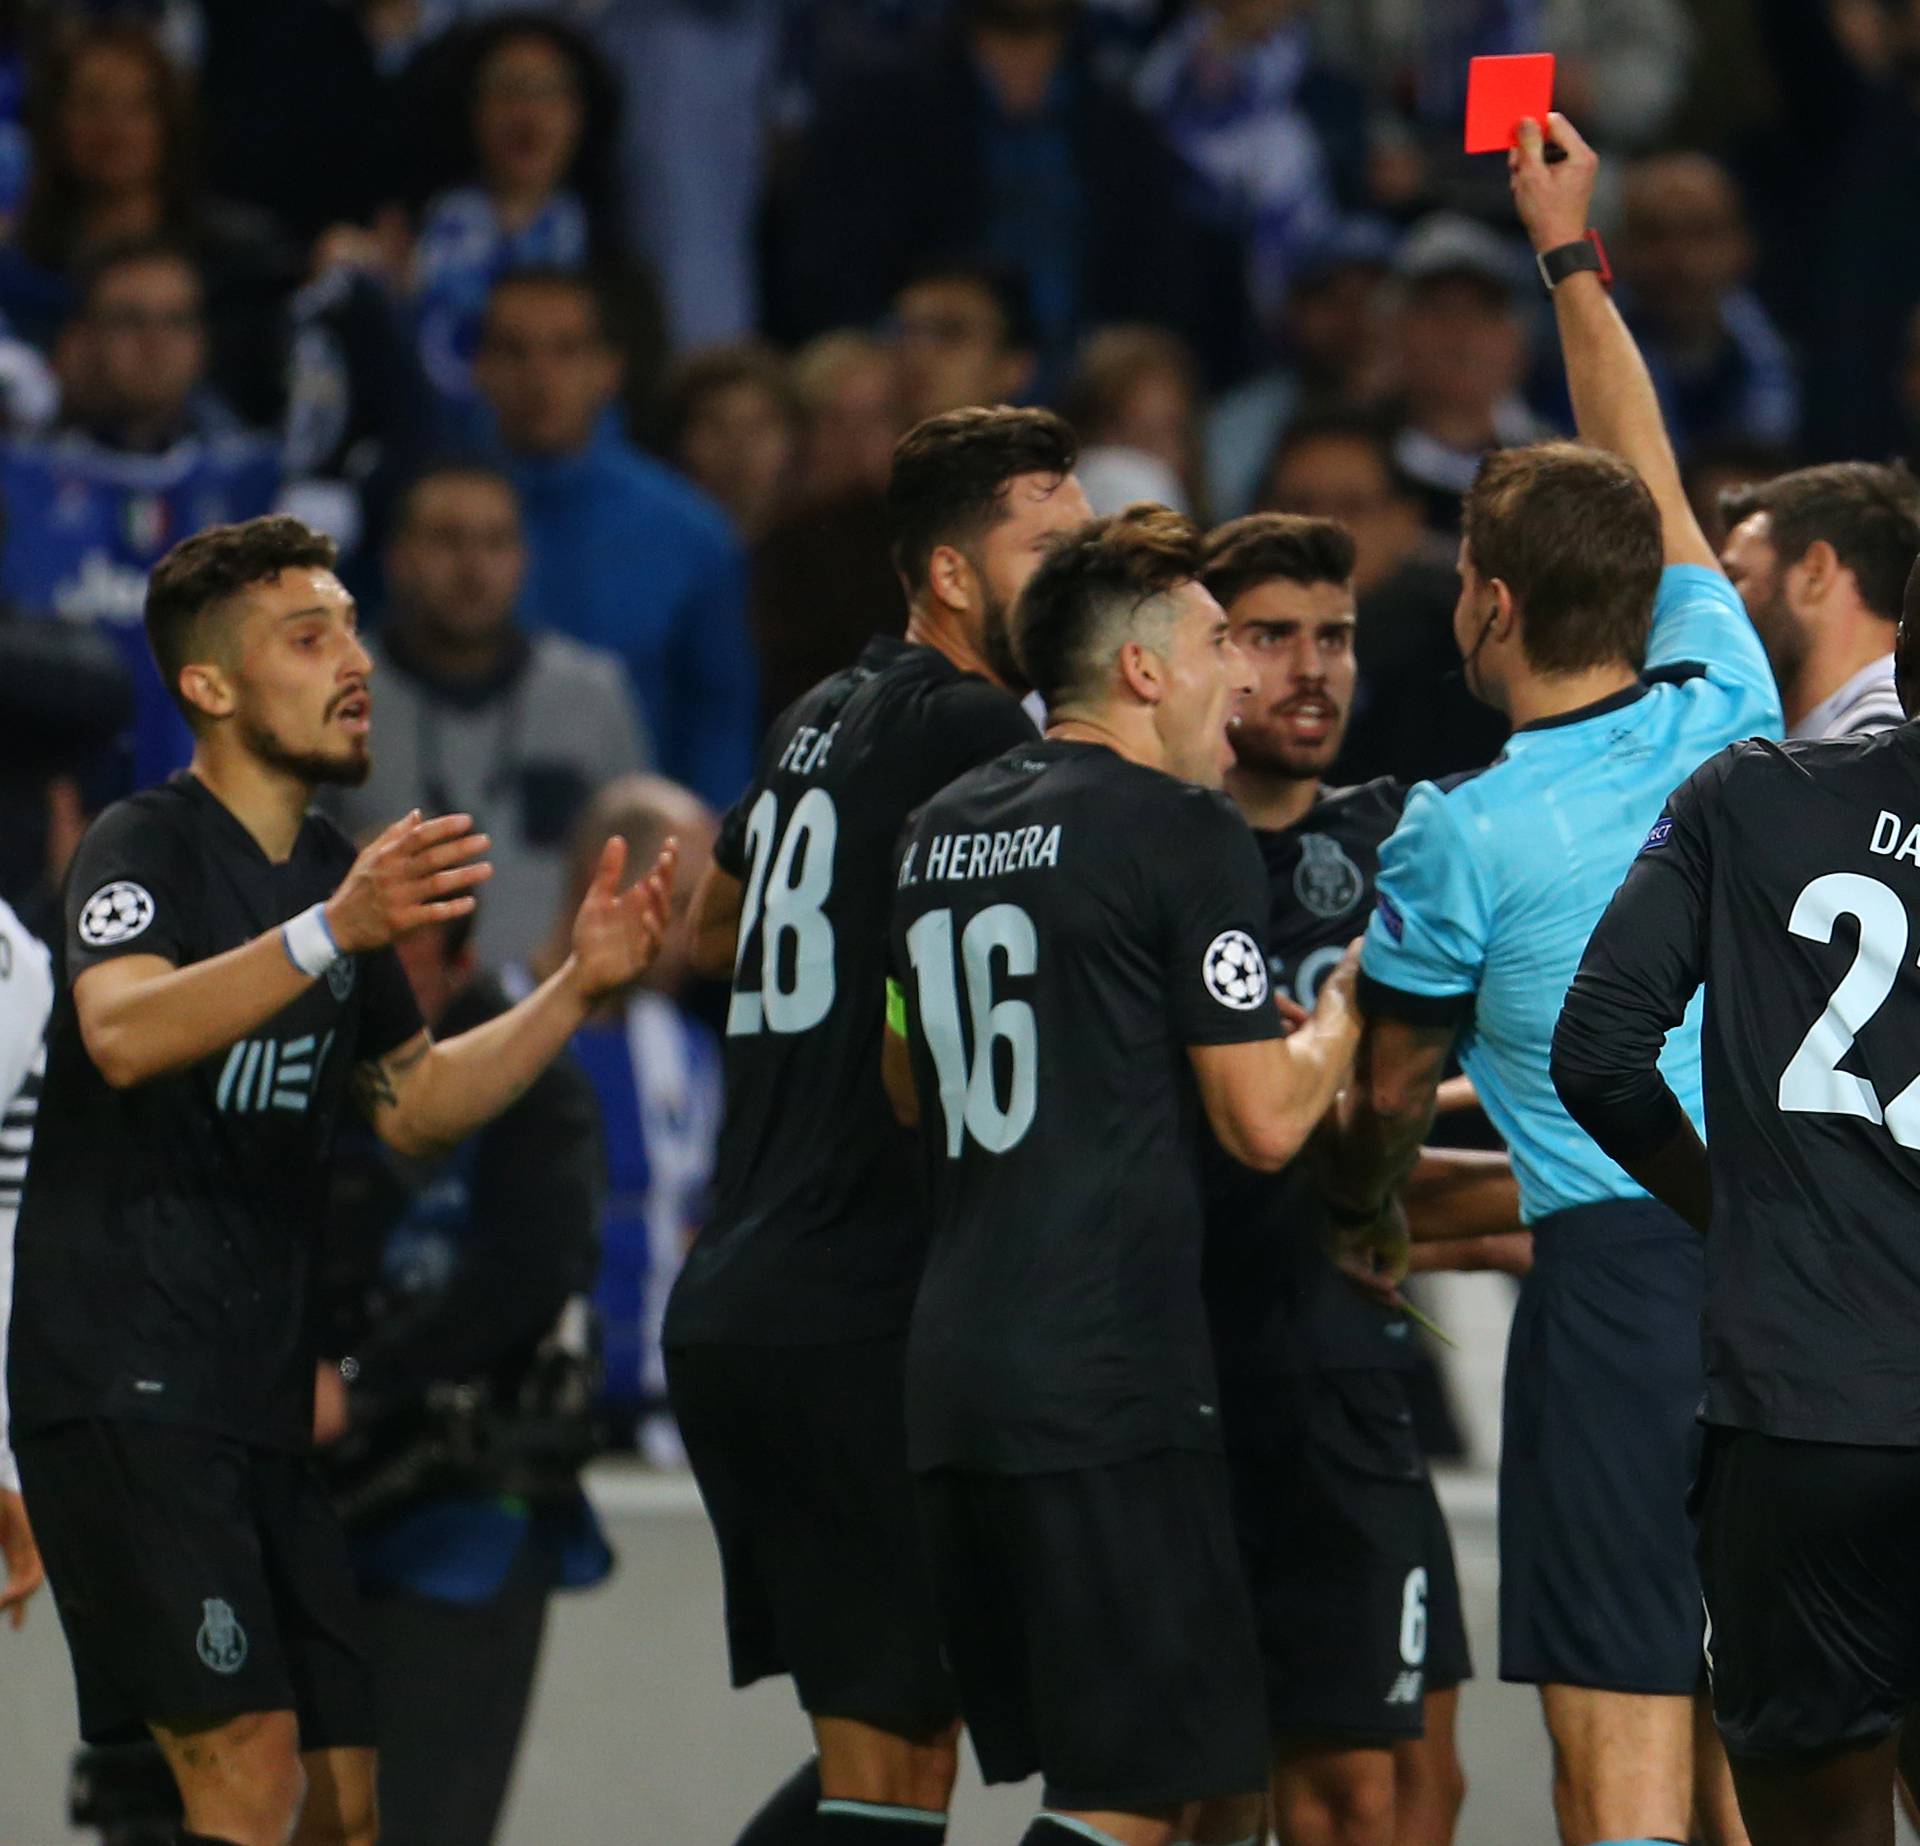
point(1593, 614)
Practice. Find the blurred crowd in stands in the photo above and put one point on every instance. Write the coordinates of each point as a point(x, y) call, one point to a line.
point(588, 329)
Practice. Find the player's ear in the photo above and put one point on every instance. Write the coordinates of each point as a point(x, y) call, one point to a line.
point(1142, 672)
point(1816, 570)
point(208, 688)
point(950, 577)
point(1503, 613)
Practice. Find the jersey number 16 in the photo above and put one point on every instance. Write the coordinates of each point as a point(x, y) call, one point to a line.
point(969, 1088)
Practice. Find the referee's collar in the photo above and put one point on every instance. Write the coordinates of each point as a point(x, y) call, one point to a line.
point(1614, 701)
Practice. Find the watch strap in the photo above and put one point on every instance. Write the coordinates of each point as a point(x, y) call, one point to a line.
point(1564, 260)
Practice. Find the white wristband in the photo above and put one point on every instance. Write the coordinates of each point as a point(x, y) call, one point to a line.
point(309, 942)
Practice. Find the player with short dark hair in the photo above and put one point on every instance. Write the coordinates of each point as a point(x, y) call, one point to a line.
point(785, 1332)
point(1346, 1549)
point(1820, 557)
point(1076, 931)
point(1786, 878)
point(230, 980)
point(1592, 615)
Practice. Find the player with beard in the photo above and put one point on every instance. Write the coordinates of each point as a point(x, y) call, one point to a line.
point(229, 980)
point(1083, 996)
point(785, 1332)
point(1347, 1552)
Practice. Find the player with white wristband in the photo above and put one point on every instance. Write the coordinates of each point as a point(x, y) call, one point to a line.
point(232, 983)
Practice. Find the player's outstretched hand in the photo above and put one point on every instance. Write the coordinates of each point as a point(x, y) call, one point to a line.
point(1338, 998)
point(617, 934)
point(417, 872)
point(1552, 197)
point(25, 1573)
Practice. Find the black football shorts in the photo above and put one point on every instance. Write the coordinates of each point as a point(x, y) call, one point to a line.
point(1098, 1627)
point(1348, 1561)
point(1598, 1585)
point(1813, 1603)
point(197, 1579)
point(800, 1453)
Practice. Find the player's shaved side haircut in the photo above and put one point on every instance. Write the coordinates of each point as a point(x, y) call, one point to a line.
point(1263, 547)
point(950, 475)
point(1573, 532)
point(1869, 512)
point(1098, 589)
point(201, 576)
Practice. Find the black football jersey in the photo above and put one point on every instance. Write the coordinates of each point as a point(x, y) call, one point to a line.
point(1275, 1303)
point(1787, 876)
point(167, 1234)
point(815, 1234)
point(1068, 923)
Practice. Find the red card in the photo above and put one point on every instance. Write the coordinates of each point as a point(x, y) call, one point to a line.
point(1501, 94)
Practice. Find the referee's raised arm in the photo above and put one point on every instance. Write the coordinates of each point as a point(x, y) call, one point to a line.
point(1614, 404)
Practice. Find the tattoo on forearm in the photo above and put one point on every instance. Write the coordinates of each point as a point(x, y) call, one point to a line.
point(374, 1081)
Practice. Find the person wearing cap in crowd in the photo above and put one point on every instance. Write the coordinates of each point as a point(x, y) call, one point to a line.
point(1331, 344)
point(1460, 355)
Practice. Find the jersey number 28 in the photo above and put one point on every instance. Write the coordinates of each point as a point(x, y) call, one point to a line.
point(1813, 1082)
point(795, 977)
point(969, 1088)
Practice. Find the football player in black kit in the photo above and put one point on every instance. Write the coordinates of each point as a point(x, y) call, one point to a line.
point(229, 982)
point(1786, 876)
point(1076, 938)
point(1347, 1552)
point(785, 1332)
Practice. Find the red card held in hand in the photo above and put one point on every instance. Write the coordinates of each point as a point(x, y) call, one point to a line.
point(1501, 94)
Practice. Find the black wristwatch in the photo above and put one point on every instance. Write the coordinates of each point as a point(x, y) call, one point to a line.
point(1565, 260)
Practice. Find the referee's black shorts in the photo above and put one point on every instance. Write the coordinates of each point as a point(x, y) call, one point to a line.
point(800, 1453)
point(1598, 1585)
point(1099, 1629)
point(1813, 1602)
point(198, 1579)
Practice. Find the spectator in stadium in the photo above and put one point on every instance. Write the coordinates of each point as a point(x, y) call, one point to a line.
point(999, 136)
point(693, 149)
point(533, 119)
point(143, 456)
point(1332, 349)
point(1275, 136)
point(963, 335)
point(455, 1413)
point(656, 1072)
point(1413, 717)
point(1133, 398)
point(476, 716)
point(1721, 367)
point(1820, 558)
point(1460, 354)
point(823, 580)
point(1721, 466)
point(849, 389)
point(622, 553)
point(113, 125)
point(730, 423)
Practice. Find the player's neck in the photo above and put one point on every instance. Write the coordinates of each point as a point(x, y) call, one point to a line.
point(1121, 732)
point(1272, 803)
point(936, 629)
point(268, 802)
point(1532, 700)
point(1834, 656)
